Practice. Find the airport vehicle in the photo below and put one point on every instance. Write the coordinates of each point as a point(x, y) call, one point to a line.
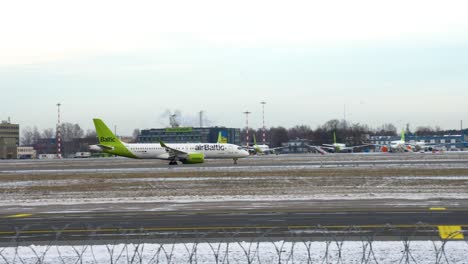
point(82, 155)
point(187, 153)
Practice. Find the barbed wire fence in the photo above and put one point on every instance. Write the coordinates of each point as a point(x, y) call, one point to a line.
point(317, 244)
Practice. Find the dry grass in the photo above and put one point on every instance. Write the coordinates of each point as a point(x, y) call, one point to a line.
point(339, 181)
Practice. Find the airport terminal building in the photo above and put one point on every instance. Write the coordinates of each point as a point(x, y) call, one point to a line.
point(189, 135)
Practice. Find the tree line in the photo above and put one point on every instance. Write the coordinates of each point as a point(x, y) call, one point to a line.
point(68, 132)
point(348, 133)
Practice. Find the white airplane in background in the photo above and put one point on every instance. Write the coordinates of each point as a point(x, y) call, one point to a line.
point(338, 147)
point(263, 149)
point(187, 153)
point(403, 146)
point(398, 145)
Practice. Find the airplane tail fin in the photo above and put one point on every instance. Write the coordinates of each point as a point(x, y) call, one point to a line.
point(222, 137)
point(105, 135)
point(109, 142)
point(334, 137)
point(403, 135)
point(254, 139)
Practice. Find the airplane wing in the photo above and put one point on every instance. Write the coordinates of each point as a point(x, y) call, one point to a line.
point(172, 151)
point(277, 148)
point(319, 149)
point(360, 146)
point(326, 147)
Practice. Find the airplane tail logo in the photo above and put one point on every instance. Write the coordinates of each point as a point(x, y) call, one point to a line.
point(104, 134)
point(222, 137)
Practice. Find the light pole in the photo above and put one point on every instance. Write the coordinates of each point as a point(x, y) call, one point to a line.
point(247, 127)
point(201, 118)
point(263, 116)
point(59, 136)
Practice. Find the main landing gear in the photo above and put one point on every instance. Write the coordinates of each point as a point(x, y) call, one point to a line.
point(235, 161)
point(172, 162)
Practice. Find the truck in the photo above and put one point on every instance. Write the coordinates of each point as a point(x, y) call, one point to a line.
point(82, 155)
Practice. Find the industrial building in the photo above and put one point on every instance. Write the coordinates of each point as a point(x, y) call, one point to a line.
point(189, 135)
point(26, 153)
point(9, 140)
point(296, 146)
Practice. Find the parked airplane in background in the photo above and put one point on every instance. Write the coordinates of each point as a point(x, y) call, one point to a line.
point(262, 149)
point(403, 146)
point(338, 147)
point(398, 145)
point(187, 153)
point(222, 137)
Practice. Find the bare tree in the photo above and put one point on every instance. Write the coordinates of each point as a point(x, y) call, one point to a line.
point(387, 130)
point(48, 133)
point(424, 131)
point(30, 136)
point(70, 131)
point(302, 132)
point(35, 135)
point(278, 135)
point(27, 135)
point(90, 133)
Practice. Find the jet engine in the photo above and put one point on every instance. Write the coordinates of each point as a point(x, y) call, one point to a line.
point(193, 158)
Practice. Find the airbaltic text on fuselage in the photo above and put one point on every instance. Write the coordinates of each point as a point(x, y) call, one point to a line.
point(210, 147)
point(107, 139)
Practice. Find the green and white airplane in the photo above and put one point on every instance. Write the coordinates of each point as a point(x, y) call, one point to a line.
point(188, 153)
point(262, 149)
point(336, 147)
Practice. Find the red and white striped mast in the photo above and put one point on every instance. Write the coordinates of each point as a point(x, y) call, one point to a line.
point(59, 136)
point(264, 128)
point(247, 127)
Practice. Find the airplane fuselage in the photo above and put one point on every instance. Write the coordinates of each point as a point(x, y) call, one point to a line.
point(209, 150)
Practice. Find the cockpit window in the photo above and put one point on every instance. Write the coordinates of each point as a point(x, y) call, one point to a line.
point(239, 148)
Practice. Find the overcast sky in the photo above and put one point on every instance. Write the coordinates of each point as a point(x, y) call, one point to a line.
point(128, 62)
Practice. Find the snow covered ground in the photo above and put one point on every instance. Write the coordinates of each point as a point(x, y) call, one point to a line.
point(245, 252)
point(447, 186)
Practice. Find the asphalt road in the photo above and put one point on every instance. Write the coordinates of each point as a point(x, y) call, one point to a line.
point(218, 224)
point(24, 224)
point(313, 160)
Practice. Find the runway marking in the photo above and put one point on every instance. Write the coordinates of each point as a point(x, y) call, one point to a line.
point(437, 208)
point(451, 232)
point(18, 215)
point(459, 229)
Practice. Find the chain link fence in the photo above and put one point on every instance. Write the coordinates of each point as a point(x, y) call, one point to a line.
point(299, 245)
